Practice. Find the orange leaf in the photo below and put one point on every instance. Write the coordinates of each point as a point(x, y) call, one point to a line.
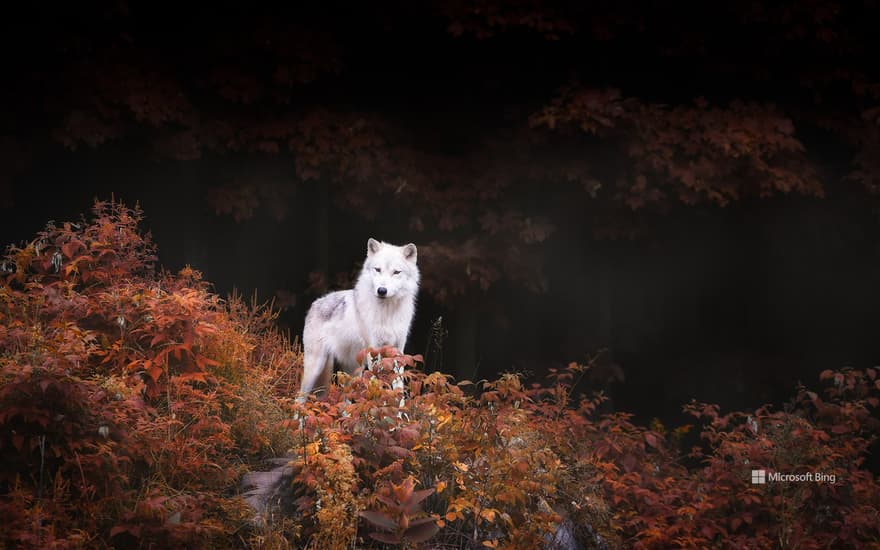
point(155, 372)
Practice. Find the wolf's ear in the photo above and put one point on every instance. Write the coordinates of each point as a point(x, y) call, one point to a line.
point(373, 246)
point(410, 252)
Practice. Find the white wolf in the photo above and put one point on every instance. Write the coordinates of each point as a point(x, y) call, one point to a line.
point(378, 311)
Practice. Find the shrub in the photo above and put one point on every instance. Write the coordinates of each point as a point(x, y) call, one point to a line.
point(132, 400)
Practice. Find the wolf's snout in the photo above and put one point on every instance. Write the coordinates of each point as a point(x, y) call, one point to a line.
point(382, 291)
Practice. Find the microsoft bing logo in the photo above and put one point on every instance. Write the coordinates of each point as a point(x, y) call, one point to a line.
point(762, 477)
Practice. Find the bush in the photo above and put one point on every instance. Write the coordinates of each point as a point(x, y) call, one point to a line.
point(509, 465)
point(132, 400)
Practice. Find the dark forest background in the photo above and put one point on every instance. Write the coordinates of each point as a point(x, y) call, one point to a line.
point(691, 187)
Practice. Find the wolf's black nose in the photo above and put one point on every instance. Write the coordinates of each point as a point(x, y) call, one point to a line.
point(381, 291)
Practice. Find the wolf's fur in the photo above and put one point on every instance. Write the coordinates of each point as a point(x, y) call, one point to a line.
point(342, 323)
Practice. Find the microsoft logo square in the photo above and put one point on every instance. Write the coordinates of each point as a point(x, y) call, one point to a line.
point(759, 477)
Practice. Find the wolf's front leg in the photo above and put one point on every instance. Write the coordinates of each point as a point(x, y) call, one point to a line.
point(400, 344)
point(398, 382)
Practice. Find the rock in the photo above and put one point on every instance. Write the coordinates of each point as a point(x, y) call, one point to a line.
point(266, 491)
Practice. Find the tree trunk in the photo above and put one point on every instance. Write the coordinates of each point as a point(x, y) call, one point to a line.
point(606, 317)
point(323, 232)
point(463, 330)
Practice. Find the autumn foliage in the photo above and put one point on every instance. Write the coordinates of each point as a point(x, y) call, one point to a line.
point(133, 400)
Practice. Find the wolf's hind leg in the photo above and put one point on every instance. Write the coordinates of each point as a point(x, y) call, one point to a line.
point(323, 382)
point(317, 368)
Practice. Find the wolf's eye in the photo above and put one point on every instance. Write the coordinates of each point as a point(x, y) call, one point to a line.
point(378, 269)
point(395, 272)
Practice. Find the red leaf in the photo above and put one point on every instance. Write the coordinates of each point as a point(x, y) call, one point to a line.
point(414, 499)
point(386, 501)
point(197, 376)
point(420, 521)
point(421, 533)
point(629, 462)
point(379, 520)
point(397, 451)
point(387, 538)
point(651, 439)
point(408, 435)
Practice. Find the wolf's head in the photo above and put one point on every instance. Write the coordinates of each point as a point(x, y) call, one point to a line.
point(390, 271)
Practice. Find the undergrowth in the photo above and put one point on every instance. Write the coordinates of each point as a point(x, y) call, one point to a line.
point(133, 400)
